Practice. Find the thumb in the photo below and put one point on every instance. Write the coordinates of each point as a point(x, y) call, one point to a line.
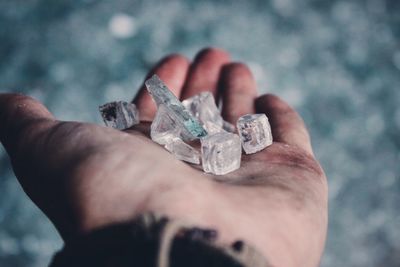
point(22, 118)
point(24, 125)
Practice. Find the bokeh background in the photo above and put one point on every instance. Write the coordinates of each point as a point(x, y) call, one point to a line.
point(336, 62)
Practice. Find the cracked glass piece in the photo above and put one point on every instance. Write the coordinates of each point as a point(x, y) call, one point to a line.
point(119, 114)
point(212, 128)
point(162, 95)
point(255, 132)
point(221, 153)
point(203, 107)
point(183, 151)
point(163, 128)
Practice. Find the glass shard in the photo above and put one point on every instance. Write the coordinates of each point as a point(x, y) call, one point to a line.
point(163, 128)
point(162, 95)
point(221, 153)
point(203, 107)
point(255, 132)
point(119, 114)
point(183, 151)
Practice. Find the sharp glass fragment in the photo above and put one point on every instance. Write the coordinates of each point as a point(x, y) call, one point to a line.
point(119, 114)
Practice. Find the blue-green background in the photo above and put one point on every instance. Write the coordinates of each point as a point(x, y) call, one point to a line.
point(337, 62)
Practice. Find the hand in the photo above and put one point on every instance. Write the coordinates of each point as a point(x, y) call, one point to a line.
point(84, 176)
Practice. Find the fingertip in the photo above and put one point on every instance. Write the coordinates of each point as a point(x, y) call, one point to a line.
point(16, 104)
point(204, 72)
point(271, 102)
point(237, 78)
point(236, 69)
point(286, 124)
point(172, 70)
point(213, 54)
point(175, 57)
point(169, 64)
point(238, 89)
point(16, 112)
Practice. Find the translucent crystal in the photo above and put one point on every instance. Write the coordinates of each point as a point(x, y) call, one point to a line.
point(191, 127)
point(221, 153)
point(255, 132)
point(229, 127)
point(163, 128)
point(119, 114)
point(183, 151)
point(203, 107)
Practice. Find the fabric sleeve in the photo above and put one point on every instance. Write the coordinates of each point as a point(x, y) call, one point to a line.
point(155, 241)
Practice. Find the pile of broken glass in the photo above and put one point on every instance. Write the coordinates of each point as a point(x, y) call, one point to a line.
point(181, 127)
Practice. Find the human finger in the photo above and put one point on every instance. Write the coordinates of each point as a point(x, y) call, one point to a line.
point(204, 72)
point(286, 124)
point(21, 119)
point(238, 89)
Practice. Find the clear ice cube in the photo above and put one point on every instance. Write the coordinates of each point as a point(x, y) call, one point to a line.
point(184, 119)
point(183, 151)
point(119, 114)
point(255, 132)
point(221, 153)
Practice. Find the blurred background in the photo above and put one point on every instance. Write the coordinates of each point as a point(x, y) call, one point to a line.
point(336, 62)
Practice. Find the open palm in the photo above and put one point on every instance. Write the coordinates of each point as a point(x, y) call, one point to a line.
point(85, 176)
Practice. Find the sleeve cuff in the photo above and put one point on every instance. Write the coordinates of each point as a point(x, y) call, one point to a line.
point(152, 240)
